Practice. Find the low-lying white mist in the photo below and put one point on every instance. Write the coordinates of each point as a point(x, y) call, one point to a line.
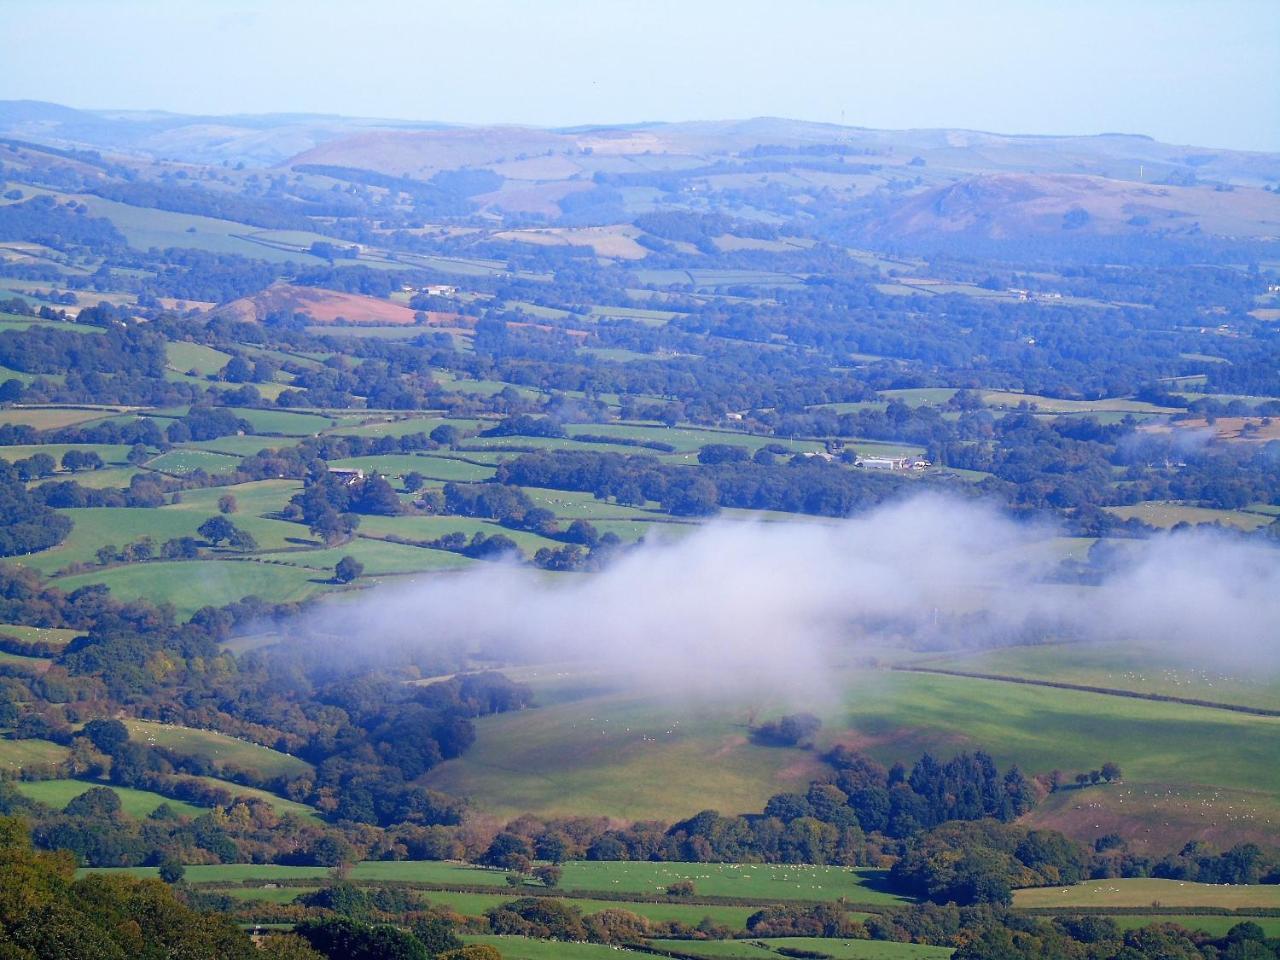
point(750, 607)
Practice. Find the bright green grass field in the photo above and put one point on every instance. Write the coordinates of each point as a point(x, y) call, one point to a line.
point(834, 947)
point(1123, 666)
point(685, 439)
point(283, 422)
point(192, 584)
point(53, 636)
point(404, 427)
point(11, 321)
point(427, 528)
point(245, 446)
point(18, 755)
point(513, 446)
point(51, 418)
point(257, 497)
point(630, 530)
point(765, 883)
point(144, 227)
point(1164, 515)
point(522, 948)
point(94, 527)
point(134, 803)
point(110, 478)
point(217, 747)
point(920, 396)
point(762, 882)
point(398, 464)
point(23, 662)
point(184, 461)
point(901, 715)
point(573, 505)
point(379, 557)
point(183, 356)
point(633, 755)
point(640, 756)
point(1214, 926)
point(475, 904)
point(8, 373)
point(253, 502)
point(1146, 892)
point(999, 398)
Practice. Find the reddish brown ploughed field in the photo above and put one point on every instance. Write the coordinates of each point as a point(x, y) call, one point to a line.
point(329, 306)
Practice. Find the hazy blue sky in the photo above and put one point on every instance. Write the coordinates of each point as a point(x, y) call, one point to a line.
point(1189, 71)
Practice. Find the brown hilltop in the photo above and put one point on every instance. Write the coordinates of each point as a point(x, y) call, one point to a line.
point(1015, 204)
point(424, 152)
point(326, 306)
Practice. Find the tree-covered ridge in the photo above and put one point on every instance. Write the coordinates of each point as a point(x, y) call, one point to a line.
point(45, 912)
point(29, 524)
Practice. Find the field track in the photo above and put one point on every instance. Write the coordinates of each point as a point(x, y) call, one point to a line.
point(1086, 688)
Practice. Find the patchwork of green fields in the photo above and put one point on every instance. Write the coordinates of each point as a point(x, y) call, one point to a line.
point(1122, 666)
point(434, 468)
point(1164, 515)
point(94, 527)
point(575, 505)
point(21, 662)
point(763, 882)
point(903, 715)
point(523, 948)
point(637, 756)
point(54, 636)
point(1215, 926)
point(1150, 892)
point(832, 947)
point(17, 755)
point(109, 478)
point(145, 227)
point(218, 748)
point(182, 462)
point(590, 747)
point(475, 904)
point(999, 399)
point(133, 803)
point(245, 446)
point(408, 425)
point(184, 356)
point(428, 528)
point(51, 418)
point(192, 584)
point(285, 423)
point(379, 558)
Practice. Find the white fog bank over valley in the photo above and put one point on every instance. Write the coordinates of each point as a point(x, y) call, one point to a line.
point(779, 605)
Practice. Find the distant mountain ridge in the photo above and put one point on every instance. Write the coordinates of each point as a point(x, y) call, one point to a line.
point(258, 139)
point(383, 144)
point(1002, 206)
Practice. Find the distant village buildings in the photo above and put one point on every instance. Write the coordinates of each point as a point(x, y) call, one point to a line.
point(347, 475)
point(1022, 294)
point(432, 289)
point(893, 463)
